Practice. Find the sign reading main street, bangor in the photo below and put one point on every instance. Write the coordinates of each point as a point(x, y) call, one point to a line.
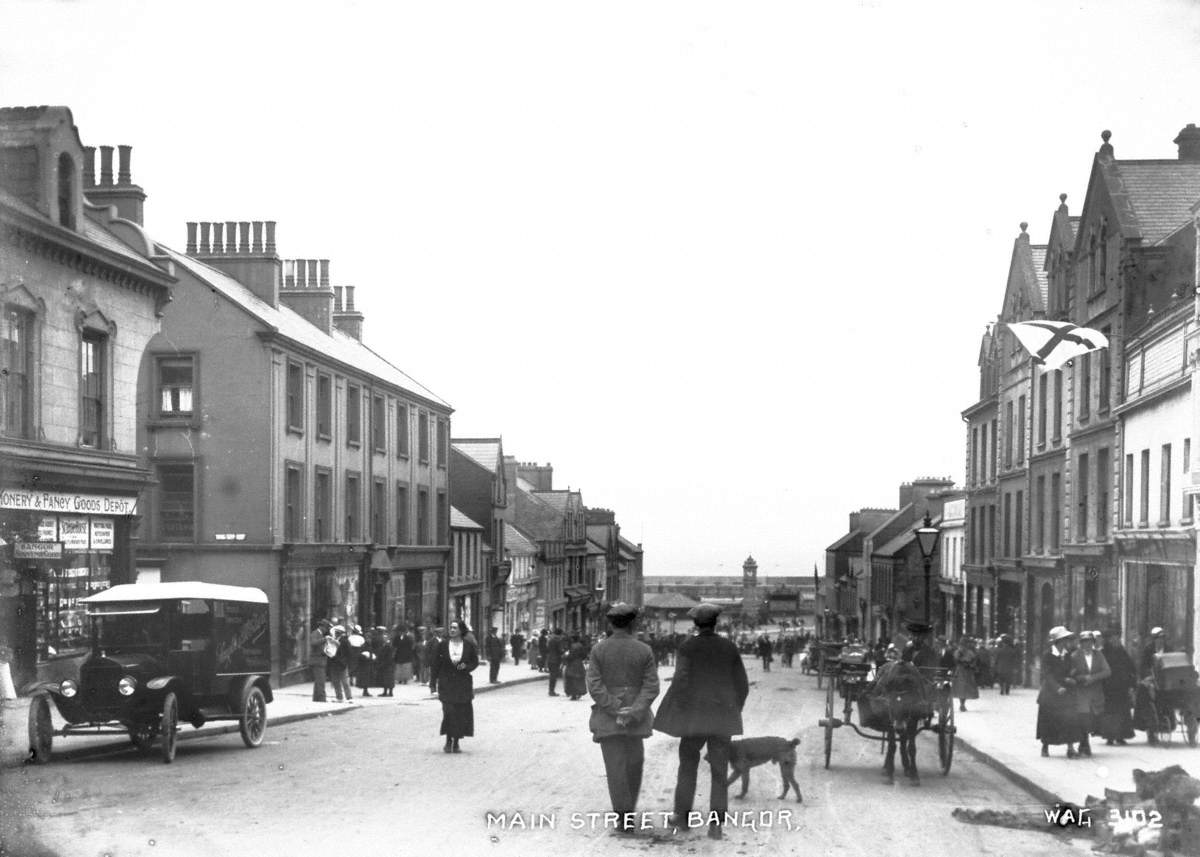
point(54, 501)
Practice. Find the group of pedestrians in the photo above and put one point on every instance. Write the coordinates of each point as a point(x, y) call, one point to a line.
point(344, 655)
point(1089, 688)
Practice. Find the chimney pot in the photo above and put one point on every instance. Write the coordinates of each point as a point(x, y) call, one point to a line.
point(123, 175)
point(217, 242)
point(337, 298)
point(106, 174)
point(89, 166)
point(271, 237)
point(289, 273)
point(231, 246)
point(258, 235)
point(1188, 142)
point(244, 232)
point(349, 298)
point(191, 238)
point(205, 247)
point(313, 278)
point(324, 273)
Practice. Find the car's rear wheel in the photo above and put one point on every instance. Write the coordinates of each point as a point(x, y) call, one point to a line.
point(142, 737)
point(41, 729)
point(169, 727)
point(254, 716)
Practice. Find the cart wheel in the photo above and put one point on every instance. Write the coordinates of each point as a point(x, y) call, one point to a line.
point(142, 737)
point(254, 716)
point(1190, 725)
point(169, 727)
point(828, 724)
point(946, 738)
point(41, 729)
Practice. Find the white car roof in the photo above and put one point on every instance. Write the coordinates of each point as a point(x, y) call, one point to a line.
point(177, 589)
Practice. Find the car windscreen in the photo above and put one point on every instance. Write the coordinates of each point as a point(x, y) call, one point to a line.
point(130, 627)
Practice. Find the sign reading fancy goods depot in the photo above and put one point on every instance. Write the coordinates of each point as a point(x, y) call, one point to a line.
point(79, 504)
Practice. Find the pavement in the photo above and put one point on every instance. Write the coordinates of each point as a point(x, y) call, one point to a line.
point(998, 730)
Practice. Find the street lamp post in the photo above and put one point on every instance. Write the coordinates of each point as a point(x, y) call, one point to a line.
point(927, 539)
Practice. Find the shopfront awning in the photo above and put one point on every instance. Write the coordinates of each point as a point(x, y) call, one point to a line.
point(577, 595)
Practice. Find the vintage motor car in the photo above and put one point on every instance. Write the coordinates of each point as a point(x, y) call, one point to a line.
point(163, 653)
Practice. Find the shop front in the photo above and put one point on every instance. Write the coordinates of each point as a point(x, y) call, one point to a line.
point(56, 548)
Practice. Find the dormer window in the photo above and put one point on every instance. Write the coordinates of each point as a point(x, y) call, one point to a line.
point(66, 191)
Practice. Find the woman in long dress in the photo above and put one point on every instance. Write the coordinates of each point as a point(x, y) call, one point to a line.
point(574, 671)
point(450, 678)
point(1056, 721)
point(966, 664)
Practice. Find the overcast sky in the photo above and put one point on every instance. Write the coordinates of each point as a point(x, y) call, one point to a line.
point(724, 265)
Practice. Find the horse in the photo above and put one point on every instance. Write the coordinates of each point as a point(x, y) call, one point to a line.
point(898, 702)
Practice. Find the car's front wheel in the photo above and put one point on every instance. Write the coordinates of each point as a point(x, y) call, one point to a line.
point(254, 716)
point(41, 729)
point(169, 727)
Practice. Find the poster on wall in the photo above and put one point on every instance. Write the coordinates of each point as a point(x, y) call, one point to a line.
point(102, 534)
point(74, 533)
point(48, 529)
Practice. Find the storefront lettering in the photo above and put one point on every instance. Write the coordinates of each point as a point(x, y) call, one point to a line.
point(50, 501)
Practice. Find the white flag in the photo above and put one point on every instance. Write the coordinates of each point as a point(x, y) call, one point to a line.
point(1053, 343)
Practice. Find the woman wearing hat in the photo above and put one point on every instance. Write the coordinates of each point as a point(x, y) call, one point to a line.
point(1089, 669)
point(1057, 722)
point(1116, 724)
point(450, 678)
point(966, 666)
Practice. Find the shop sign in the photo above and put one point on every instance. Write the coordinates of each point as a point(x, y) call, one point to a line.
point(74, 533)
point(37, 550)
point(56, 501)
point(102, 534)
point(48, 530)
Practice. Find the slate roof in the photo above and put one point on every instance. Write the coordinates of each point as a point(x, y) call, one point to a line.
point(516, 542)
point(459, 521)
point(484, 451)
point(847, 541)
point(594, 549)
point(1040, 275)
point(627, 547)
point(290, 324)
point(555, 499)
point(668, 601)
point(901, 540)
point(1158, 192)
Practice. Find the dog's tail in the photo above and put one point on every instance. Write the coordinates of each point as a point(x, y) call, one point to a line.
point(795, 742)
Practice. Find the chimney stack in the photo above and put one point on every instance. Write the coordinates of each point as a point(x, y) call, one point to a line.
point(1188, 142)
point(128, 198)
point(347, 319)
point(307, 294)
point(230, 251)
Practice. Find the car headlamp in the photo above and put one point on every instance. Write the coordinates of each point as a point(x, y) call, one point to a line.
point(68, 688)
point(127, 685)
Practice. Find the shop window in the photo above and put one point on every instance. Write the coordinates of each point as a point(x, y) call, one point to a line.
point(92, 380)
point(16, 372)
point(175, 386)
point(176, 503)
point(62, 624)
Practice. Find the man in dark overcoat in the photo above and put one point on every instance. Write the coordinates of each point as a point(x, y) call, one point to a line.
point(622, 680)
point(517, 642)
point(704, 707)
point(1116, 725)
point(493, 647)
point(555, 644)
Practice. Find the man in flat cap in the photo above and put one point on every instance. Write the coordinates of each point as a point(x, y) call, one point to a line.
point(622, 679)
point(702, 707)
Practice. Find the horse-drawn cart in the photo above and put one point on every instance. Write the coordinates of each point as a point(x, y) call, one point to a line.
point(900, 702)
point(826, 653)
